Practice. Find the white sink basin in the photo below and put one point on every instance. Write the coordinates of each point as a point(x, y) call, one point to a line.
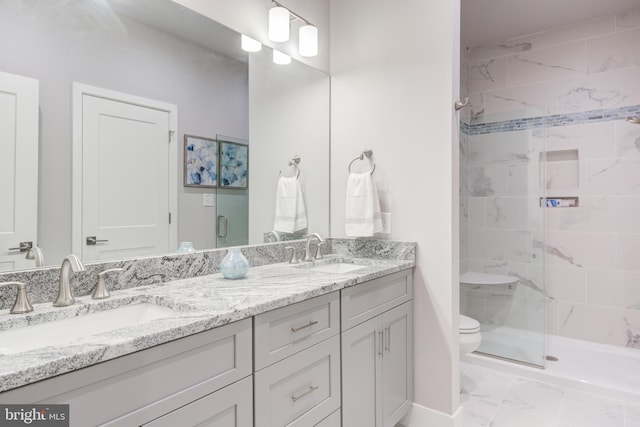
point(338, 267)
point(60, 332)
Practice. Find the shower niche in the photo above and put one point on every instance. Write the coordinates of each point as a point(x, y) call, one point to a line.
point(562, 178)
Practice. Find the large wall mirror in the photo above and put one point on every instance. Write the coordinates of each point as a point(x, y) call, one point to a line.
point(129, 127)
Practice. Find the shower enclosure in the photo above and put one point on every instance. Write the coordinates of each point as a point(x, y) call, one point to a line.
point(502, 215)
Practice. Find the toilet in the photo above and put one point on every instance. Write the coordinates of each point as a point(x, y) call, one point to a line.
point(469, 334)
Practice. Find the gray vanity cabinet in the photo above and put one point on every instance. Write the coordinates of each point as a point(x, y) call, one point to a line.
point(297, 362)
point(377, 351)
point(141, 387)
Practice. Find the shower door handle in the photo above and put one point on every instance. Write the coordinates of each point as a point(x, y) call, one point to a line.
point(222, 220)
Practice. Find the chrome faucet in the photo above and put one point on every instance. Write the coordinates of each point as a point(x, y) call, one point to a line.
point(272, 236)
point(22, 302)
point(71, 262)
point(307, 247)
point(101, 291)
point(35, 253)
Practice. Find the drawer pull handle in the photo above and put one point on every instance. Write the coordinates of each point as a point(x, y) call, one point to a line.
point(308, 325)
point(388, 334)
point(312, 388)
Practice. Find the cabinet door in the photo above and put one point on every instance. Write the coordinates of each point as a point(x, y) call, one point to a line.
point(230, 407)
point(362, 374)
point(332, 420)
point(397, 364)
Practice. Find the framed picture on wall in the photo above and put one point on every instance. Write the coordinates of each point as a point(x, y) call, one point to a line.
point(200, 162)
point(234, 165)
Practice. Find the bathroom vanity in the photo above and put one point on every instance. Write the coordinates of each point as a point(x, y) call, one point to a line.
point(311, 344)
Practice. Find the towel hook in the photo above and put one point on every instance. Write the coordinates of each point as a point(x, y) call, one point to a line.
point(295, 160)
point(366, 153)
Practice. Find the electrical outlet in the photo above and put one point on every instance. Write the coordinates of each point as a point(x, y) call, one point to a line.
point(208, 200)
point(386, 222)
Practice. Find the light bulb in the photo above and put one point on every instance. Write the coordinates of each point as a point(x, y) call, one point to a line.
point(250, 45)
point(278, 24)
point(308, 40)
point(281, 58)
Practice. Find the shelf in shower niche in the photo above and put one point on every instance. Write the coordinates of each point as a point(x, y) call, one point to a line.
point(560, 202)
point(475, 278)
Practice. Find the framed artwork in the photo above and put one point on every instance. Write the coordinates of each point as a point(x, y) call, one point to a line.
point(234, 165)
point(200, 162)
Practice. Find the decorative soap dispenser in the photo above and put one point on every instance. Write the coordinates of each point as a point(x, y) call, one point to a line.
point(234, 265)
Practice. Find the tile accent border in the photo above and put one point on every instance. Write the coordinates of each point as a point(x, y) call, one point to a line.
point(553, 120)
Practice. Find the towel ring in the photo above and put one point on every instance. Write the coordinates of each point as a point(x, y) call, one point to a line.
point(294, 162)
point(365, 153)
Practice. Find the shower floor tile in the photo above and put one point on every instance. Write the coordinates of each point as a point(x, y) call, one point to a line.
point(492, 398)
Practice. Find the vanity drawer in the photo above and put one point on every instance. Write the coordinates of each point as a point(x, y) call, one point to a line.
point(288, 330)
point(301, 390)
point(332, 420)
point(367, 300)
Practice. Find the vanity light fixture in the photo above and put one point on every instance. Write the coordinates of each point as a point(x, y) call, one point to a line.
point(279, 23)
point(279, 28)
point(281, 58)
point(308, 40)
point(250, 45)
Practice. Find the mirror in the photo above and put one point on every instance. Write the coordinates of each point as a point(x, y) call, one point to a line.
point(161, 51)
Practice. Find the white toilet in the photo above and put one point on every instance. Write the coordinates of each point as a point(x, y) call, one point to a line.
point(469, 334)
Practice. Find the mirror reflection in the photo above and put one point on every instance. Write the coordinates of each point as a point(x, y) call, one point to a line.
point(92, 153)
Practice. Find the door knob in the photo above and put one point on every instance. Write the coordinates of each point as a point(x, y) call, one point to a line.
point(92, 240)
point(24, 247)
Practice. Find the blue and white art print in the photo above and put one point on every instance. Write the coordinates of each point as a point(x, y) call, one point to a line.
point(200, 162)
point(234, 165)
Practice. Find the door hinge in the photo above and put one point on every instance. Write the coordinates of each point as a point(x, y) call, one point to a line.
point(169, 217)
point(172, 133)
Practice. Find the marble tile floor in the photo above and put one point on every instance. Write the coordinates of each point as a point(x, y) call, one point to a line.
point(496, 399)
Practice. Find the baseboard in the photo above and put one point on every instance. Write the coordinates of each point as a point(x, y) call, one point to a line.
point(421, 416)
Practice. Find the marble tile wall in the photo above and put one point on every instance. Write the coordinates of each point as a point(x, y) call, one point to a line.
point(567, 88)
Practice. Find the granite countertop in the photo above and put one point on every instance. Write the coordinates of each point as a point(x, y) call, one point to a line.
point(198, 304)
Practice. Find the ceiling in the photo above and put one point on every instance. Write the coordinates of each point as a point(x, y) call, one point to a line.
point(491, 21)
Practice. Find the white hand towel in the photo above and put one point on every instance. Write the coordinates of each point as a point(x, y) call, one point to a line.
point(363, 217)
point(291, 215)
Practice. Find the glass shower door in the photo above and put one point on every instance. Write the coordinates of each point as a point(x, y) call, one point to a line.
point(232, 201)
point(502, 270)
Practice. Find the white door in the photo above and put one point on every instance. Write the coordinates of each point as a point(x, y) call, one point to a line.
point(126, 170)
point(19, 103)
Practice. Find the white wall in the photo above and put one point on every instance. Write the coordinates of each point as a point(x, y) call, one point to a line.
point(395, 76)
point(250, 17)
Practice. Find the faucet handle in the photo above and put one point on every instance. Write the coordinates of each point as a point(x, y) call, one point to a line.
point(294, 257)
point(101, 291)
point(22, 304)
point(319, 250)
